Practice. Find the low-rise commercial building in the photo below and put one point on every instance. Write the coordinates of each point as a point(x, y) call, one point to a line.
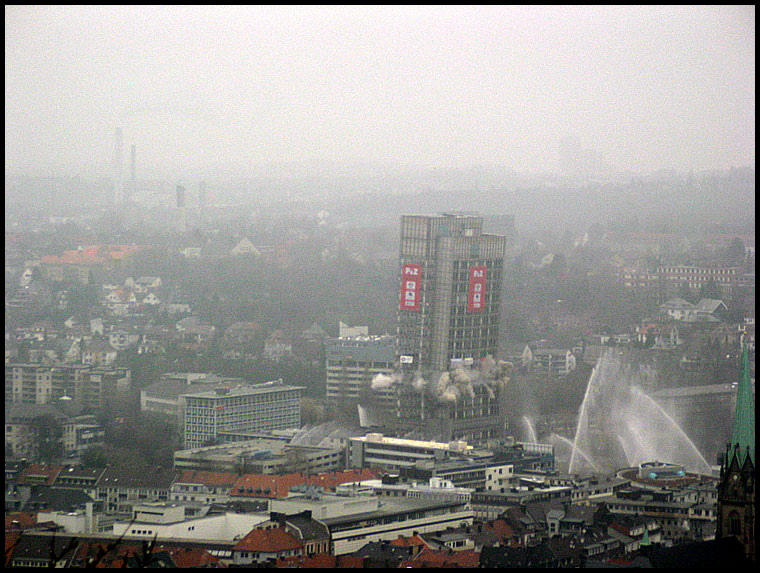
point(392, 454)
point(266, 454)
point(354, 521)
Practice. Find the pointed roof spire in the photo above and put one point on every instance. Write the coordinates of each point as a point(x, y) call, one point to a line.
point(743, 435)
point(645, 542)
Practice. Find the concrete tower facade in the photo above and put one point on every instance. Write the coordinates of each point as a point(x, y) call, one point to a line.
point(450, 280)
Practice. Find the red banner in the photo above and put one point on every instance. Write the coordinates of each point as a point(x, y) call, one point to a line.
point(410, 287)
point(477, 290)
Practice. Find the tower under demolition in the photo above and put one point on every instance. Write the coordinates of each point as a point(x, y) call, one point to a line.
point(462, 403)
point(450, 291)
point(447, 382)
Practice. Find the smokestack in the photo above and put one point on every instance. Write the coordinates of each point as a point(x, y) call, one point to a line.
point(132, 163)
point(202, 194)
point(180, 196)
point(118, 165)
point(181, 222)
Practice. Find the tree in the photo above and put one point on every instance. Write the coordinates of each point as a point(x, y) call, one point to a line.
point(686, 293)
point(710, 290)
point(47, 434)
point(735, 252)
point(95, 457)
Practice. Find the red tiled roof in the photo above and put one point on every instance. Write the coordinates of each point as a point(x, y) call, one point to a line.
point(429, 558)
point(50, 473)
point(413, 541)
point(278, 486)
point(92, 254)
point(207, 478)
point(654, 328)
point(322, 561)
point(103, 556)
point(190, 557)
point(20, 520)
point(334, 479)
point(268, 541)
point(501, 529)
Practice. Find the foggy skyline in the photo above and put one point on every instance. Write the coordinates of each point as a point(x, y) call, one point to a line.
point(232, 90)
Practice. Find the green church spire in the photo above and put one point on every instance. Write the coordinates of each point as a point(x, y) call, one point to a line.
point(743, 435)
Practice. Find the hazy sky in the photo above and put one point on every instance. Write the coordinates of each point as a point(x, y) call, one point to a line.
point(210, 89)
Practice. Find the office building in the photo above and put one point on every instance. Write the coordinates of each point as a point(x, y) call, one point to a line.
point(451, 275)
point(262, 407)
point(352, 364)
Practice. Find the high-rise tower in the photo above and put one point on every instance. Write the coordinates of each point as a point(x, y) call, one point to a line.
point(451, 276)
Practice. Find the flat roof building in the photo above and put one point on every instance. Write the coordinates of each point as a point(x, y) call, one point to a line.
point(262, 407)
point(354, 521)
point(352, 363)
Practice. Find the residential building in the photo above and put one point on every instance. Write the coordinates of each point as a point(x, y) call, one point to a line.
point(22, 428)
point(278, 346)
point(706, 310)
point(89, 386)
point(657, 335)
point(264, 545)
point(119, 489)
point(203, 486)
point(242, 340)
point(312, 533)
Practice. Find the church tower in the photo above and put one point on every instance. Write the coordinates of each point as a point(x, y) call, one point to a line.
point(736, 490)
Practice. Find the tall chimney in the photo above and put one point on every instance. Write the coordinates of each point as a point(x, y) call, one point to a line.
point(118, 165)
point(132, 163)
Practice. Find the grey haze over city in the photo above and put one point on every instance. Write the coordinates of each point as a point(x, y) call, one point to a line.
point(236, 91)
point(378, 286)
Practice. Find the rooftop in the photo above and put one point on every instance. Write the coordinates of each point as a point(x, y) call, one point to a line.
point(265, 388)
point(267, 541)
point(380, 439)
